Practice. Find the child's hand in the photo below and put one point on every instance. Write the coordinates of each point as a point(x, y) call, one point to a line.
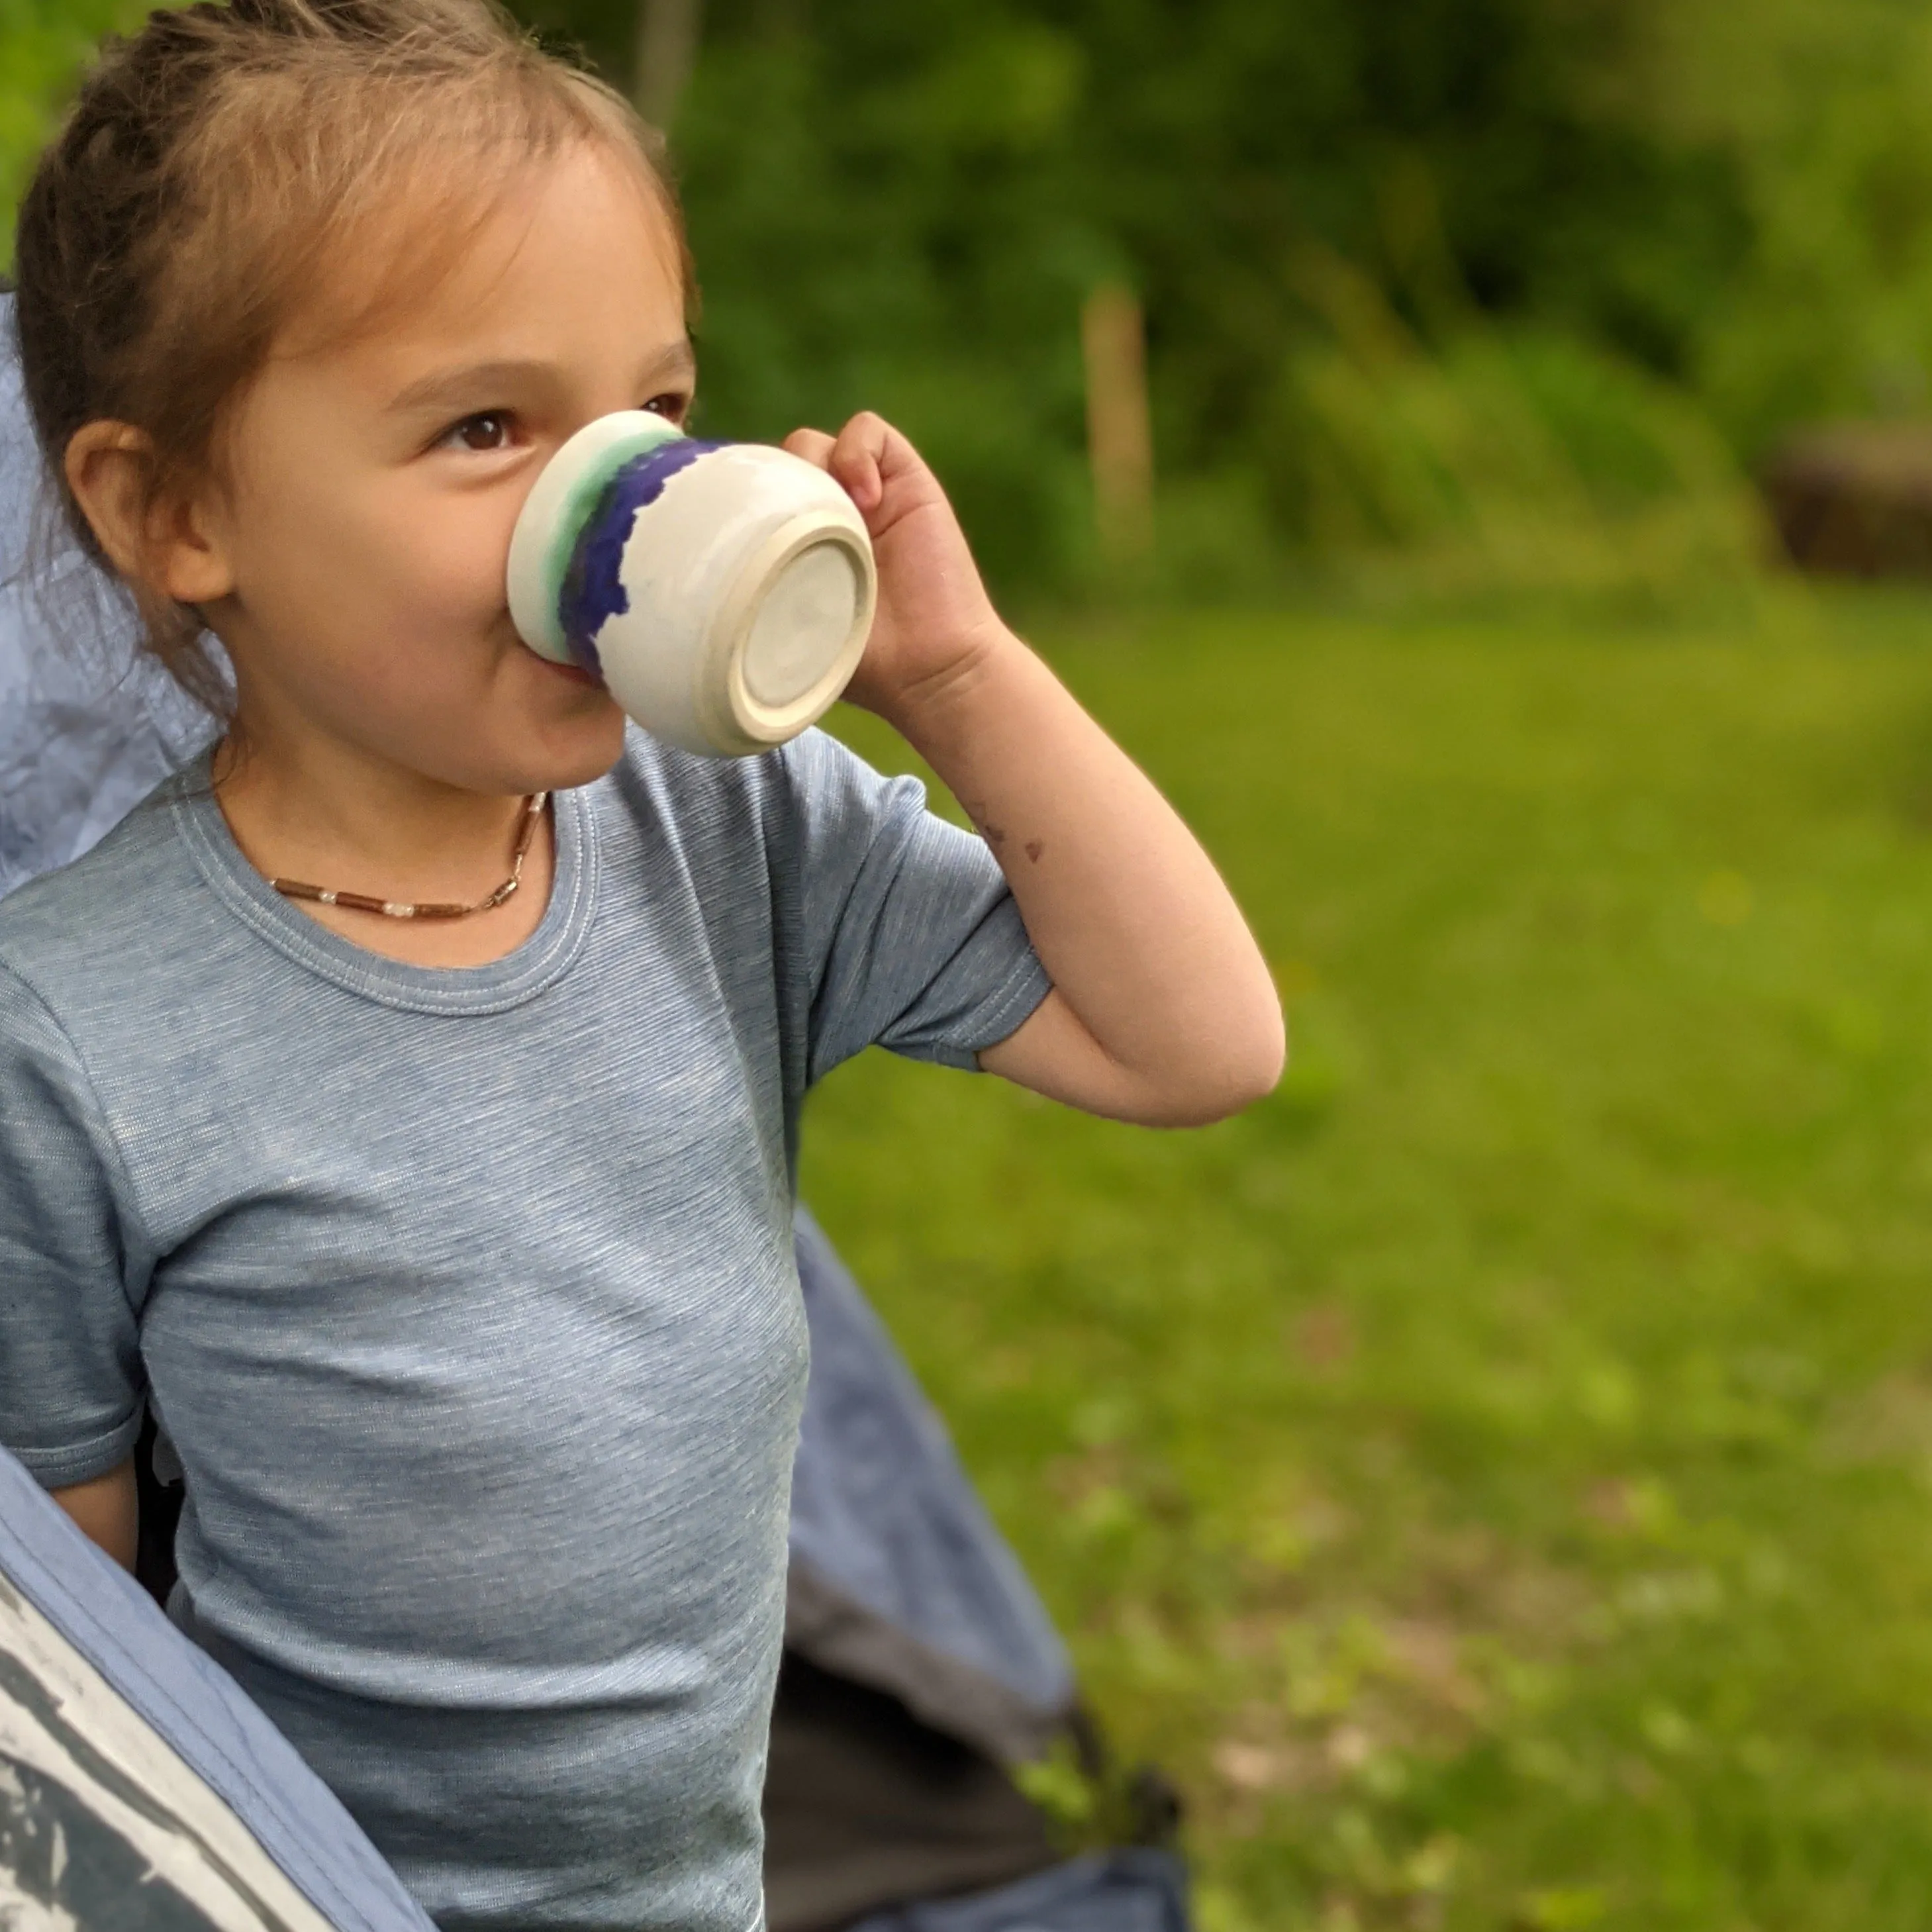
point(935, 620)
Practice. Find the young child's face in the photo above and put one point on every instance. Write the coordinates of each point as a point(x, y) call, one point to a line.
point(374, 483)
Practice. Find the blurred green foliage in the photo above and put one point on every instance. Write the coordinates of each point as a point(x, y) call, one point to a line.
point(43, 45)
point(1515, 287)
point(1452, 293)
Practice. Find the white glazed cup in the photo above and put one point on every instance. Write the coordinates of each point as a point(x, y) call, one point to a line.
point(723, 591)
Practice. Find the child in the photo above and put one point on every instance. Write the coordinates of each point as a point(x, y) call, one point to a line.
point(455, 1254)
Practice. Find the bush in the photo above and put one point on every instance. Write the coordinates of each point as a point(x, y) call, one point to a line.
point(43, 44)
point(1514, 459)
point(1591, 229)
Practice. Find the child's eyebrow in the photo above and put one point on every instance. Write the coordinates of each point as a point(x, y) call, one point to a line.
point(676, 363)
point(447, 388)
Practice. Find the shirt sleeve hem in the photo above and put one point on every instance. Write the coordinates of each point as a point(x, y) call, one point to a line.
point(1014, 1003)
point(81, 1461)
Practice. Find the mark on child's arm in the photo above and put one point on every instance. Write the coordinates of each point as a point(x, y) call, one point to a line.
point(995, 836)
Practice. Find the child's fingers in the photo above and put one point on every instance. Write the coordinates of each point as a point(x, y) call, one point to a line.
point(813, 445)
point(860, 457)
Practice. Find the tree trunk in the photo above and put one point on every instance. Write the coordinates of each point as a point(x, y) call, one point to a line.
point(667, 32)
point(1120, 439)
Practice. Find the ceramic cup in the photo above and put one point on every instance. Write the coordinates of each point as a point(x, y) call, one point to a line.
point(722, 592)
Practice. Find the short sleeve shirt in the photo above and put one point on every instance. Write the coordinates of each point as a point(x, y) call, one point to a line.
point(467, 1297)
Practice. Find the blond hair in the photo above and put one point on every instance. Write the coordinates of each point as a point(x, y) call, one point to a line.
point(228, 165)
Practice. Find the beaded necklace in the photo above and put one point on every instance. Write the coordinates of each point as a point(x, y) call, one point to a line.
point(299, 889)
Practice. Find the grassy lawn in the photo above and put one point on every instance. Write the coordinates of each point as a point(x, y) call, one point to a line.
point(1494, 1476)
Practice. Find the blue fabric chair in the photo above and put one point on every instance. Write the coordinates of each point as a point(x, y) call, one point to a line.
point(87, 726)
point(140, 1790)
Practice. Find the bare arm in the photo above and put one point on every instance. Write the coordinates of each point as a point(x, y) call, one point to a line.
point(107, 1508)
point(1163, 1011)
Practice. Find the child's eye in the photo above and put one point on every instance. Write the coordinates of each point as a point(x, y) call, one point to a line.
point(673, 404)
point(487, 430)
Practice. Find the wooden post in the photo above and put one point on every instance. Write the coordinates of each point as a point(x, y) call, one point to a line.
point(667, 32)
point(1120, 439)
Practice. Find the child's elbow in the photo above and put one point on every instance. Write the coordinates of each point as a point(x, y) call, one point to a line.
point(1247, 1066)
point(1270, 1059)
point(1255, 1070)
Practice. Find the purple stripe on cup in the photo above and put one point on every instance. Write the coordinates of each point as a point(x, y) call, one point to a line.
point(593, 590)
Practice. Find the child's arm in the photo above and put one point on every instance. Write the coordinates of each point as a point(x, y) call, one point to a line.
point(1162, 1010)
point(107, 1511)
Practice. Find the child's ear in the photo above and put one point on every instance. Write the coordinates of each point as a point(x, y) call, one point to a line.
point(163, 542)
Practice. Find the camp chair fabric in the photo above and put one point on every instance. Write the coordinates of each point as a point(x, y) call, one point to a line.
point(899, 1579)
point(88, 726)
point(919, 1665)
point(140, 1790)
point(1133, 1890)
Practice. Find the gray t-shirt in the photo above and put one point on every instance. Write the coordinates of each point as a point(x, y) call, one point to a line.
point(467, 1296)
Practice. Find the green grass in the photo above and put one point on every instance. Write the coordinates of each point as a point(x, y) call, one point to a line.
point(1494, 1475)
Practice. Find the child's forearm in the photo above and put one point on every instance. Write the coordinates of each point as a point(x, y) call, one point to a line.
point(1164, 1010)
